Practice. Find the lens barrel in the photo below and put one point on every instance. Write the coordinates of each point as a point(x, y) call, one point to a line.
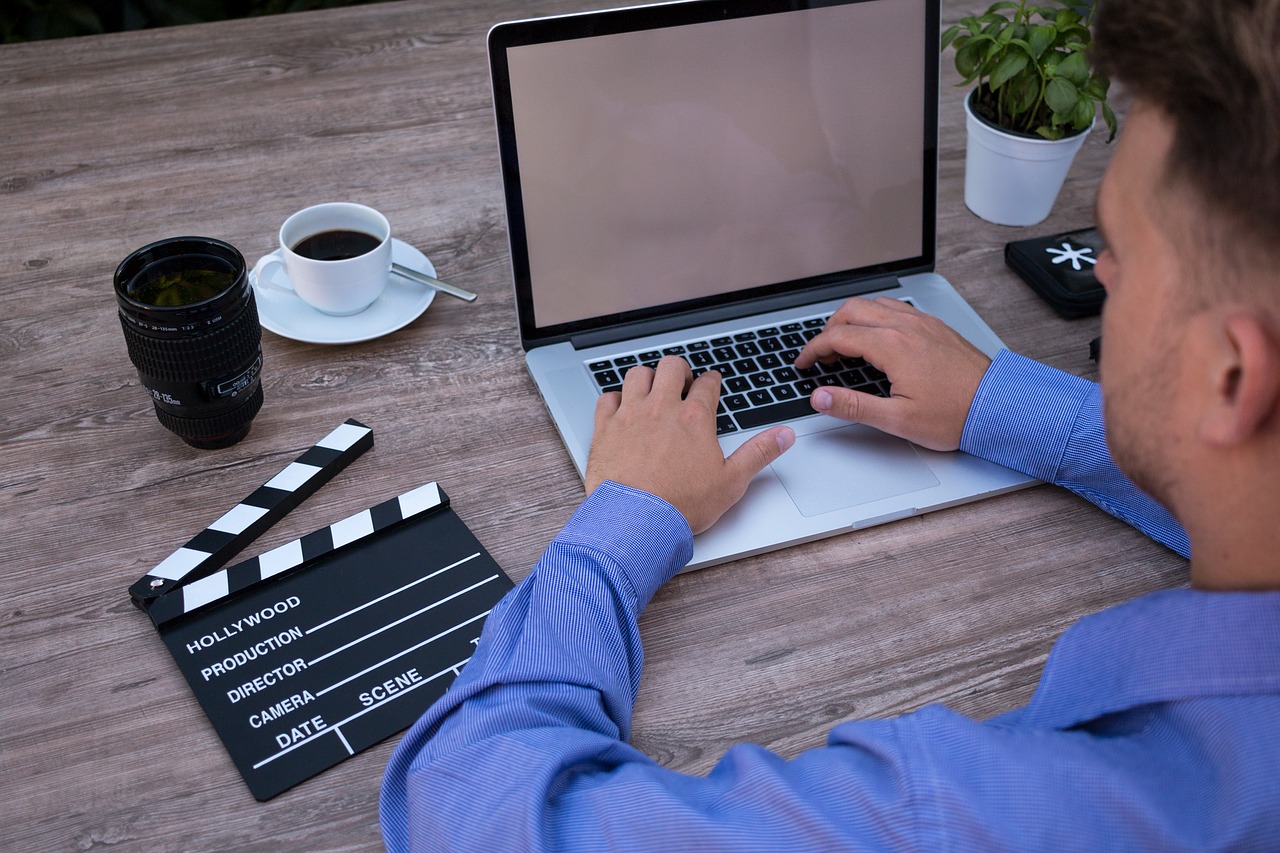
point(200, 360)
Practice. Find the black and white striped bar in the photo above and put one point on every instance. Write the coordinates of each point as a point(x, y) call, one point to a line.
point(232, 580)
point(210, 549)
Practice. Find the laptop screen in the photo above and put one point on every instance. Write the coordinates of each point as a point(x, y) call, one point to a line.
point(659, 159)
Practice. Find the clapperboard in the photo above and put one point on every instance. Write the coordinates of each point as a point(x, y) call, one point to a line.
point(315, 650)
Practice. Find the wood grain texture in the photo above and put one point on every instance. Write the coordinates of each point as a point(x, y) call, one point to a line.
point(110, 142)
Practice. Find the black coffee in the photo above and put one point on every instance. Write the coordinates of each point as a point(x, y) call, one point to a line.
point(336, 245)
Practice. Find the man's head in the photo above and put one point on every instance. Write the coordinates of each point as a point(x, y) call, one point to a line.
point(1190, 210)
point(1213, 68)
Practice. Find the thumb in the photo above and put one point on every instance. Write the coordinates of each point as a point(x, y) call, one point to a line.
point(758, 451)
point(853, 406)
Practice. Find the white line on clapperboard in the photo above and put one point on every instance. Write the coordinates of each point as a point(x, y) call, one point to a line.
point(336, 727)
point(393, 592)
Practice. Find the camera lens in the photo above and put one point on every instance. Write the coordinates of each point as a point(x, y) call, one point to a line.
point(191, 325)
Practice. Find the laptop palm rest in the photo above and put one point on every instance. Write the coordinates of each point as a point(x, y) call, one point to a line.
point(847, 466)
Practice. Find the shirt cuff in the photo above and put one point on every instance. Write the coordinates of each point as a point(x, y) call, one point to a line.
point(644, 538)
point(1023, 415)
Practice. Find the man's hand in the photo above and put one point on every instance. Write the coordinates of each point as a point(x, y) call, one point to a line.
point(648, 437)
point(934, 371)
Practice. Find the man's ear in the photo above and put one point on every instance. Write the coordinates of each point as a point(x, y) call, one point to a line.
point(1247, 381)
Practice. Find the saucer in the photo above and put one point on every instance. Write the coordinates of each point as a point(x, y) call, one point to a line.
point(400, 304)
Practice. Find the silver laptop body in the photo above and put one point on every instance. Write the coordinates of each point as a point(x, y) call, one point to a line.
point(693, 171)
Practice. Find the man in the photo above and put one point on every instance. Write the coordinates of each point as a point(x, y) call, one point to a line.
point(1156, 724)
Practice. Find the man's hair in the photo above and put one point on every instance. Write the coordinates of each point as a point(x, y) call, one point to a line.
point(1213, 67)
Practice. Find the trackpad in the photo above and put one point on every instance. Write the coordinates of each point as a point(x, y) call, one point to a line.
point(847, 466)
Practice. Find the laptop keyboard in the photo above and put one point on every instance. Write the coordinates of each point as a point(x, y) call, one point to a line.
point(760, 384)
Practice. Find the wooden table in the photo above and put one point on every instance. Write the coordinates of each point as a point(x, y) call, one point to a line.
point(110, 142)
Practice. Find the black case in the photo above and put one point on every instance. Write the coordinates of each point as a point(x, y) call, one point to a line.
point(1060, 269)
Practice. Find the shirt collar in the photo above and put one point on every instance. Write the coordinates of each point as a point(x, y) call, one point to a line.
point(1165, 646)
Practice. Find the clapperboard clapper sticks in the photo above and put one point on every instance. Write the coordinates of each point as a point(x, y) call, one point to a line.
point(315, 650)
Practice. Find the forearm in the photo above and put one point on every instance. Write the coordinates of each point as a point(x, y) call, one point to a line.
point(1048, 424)
point(558, 663)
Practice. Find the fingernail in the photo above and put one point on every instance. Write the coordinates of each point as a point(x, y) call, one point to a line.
point(786, 438)
point(822, 399)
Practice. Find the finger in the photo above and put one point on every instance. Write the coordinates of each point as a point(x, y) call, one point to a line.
point(705, 390)
point(637, 381)
point(843, 340)
point(890, 303)
point(672, 376)
point(856, 407)
point(757, 452)
point(860, 311)
point(606, 406)
point(819, 347)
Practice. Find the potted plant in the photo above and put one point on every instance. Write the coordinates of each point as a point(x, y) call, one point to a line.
point(1035, 101)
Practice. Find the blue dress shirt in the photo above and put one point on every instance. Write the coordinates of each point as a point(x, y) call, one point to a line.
point(1155, 725)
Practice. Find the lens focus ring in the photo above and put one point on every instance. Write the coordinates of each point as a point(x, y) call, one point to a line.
point(205, 429)
point(212, 354)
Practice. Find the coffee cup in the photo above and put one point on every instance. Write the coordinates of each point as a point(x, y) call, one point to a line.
point(336, 257)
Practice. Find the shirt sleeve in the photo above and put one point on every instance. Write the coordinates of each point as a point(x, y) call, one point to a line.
point(528, 750)
point(1048, 424)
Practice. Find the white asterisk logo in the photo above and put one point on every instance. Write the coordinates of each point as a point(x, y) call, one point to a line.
point(1070, 253)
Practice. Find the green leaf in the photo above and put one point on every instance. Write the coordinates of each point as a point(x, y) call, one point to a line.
point(1061, 95)
point(1041, 39)
point(1083, 115)
point(1011, 64)
point(1022, 94)
point(969, 59)
point(1110, 118)
point(1075, 68)
point(950, 35)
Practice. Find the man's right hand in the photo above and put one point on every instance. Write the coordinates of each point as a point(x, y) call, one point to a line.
point(934, 371)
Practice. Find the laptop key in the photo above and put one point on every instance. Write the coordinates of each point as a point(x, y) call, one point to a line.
point(725, 424)
point(700, 358)
point(736, 402)
point(774, 413)
point(607, 377)
point(760, 398)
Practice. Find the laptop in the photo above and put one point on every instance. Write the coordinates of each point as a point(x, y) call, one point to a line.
point(713, 179)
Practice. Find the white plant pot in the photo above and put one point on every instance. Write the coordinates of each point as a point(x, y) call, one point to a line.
point(1011, 179)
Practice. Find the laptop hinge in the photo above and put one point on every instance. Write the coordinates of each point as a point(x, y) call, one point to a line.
point(719, 313)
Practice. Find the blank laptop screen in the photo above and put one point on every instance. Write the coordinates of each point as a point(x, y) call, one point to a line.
point(686, 162)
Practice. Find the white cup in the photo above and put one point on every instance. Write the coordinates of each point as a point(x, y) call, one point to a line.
point(344, 276)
